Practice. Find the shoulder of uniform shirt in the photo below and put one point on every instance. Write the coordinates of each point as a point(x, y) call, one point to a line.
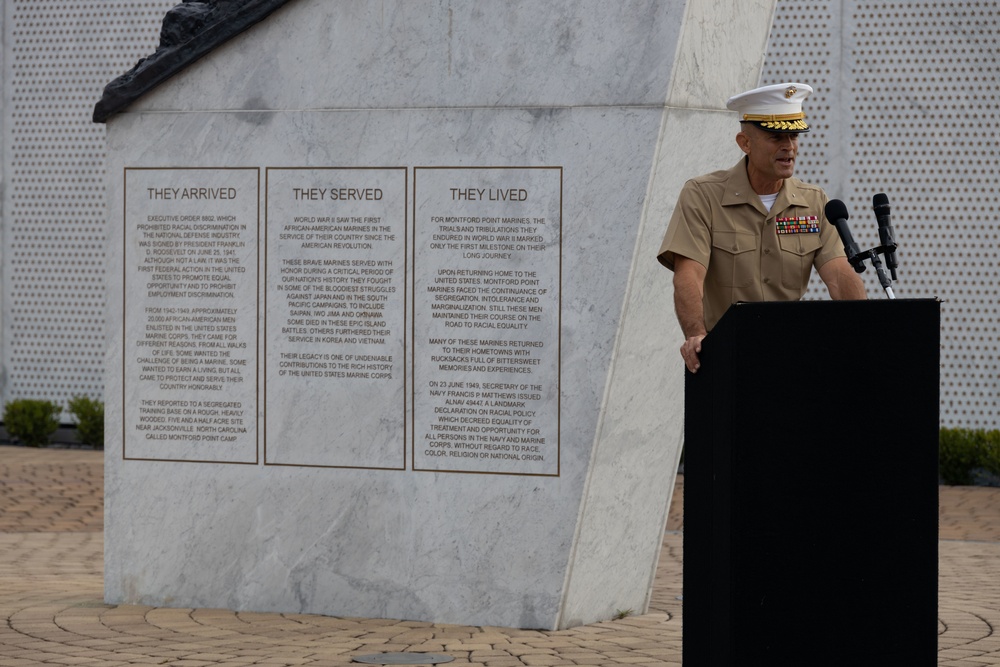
point(720, 176)
point(806, 187)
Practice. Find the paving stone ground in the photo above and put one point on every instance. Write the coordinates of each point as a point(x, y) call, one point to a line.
point(52, 610)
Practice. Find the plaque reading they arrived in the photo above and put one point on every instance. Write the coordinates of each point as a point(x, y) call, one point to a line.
point(190, 283)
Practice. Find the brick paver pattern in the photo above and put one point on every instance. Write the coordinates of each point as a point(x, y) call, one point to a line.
point(51, 596)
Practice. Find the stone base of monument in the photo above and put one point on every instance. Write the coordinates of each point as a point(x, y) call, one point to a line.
point(387, 337)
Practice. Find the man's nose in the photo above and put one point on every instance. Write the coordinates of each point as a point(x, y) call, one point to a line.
point(787, 141)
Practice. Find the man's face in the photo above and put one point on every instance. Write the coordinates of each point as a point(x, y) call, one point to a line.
point(771, 154)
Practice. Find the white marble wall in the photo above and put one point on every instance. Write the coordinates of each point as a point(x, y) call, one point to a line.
point(626, 100)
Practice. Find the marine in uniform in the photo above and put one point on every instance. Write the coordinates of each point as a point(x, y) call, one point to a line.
point(753, 232)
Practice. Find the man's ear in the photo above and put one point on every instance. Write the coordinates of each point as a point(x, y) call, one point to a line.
point(743, 141)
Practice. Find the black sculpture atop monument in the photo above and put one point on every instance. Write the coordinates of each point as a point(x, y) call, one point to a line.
point(190, 30)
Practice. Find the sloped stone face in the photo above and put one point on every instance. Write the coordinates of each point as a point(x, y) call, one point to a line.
point(395, 134)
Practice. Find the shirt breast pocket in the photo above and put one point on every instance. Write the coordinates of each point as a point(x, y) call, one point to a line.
point(797, 252)
point(734, 258)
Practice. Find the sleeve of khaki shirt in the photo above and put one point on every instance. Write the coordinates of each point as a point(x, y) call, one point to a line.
point(689, 233)
point(832, 245)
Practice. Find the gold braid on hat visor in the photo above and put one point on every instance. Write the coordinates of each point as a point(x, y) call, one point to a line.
point(792, 122)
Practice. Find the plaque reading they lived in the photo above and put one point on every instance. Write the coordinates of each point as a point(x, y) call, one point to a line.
point(486, 316)
point(190, 300)
point(335, 317)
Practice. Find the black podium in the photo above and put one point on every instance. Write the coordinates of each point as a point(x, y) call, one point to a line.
point(810, 486)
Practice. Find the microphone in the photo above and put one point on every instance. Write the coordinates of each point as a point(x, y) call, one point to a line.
point(836, 213)
point(880, 203)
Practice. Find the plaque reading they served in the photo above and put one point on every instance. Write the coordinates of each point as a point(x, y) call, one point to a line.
point(335, 317)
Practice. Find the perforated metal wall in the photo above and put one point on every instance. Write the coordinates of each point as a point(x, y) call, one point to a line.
point(58, 56)
point(908, 104)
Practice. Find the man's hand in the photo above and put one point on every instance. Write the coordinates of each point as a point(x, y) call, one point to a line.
point(689, 352)
point(689, 286)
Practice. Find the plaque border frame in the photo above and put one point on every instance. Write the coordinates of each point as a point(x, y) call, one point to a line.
point(406, 286)
point(413, 443)
point(124, 416)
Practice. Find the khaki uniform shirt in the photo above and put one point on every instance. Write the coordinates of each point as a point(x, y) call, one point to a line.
point(750, 254)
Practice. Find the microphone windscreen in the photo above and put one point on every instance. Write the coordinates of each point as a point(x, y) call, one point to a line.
point(880, 203)
point(836, 210)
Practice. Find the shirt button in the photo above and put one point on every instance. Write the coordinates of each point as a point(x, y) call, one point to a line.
point(767, 251)
point(767, 280)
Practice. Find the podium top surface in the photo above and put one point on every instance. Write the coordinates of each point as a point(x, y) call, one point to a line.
point(820, 312)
